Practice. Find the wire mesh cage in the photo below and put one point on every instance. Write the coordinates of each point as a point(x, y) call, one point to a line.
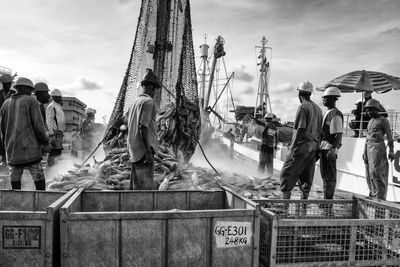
point(353, 232)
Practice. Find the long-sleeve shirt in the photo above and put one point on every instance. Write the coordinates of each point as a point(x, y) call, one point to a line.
point(54, 110)
point(22, 129)
point(141, 113)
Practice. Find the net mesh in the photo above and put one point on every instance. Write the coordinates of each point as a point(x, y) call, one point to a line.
point(164, 43)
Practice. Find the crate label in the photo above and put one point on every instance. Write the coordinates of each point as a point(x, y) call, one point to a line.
point(21, 237)
point(232, 234)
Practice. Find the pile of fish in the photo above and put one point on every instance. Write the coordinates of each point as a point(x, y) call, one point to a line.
point(114, 174)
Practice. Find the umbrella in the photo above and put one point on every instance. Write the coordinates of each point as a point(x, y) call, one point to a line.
point(364, 81)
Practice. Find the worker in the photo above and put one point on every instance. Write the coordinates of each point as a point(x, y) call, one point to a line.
point(22, 132)
point(87, 132)
point(356, 123)
point(142, 134)
point(300, 161)
point(231, 137)
point(374, 156)
point(55, 121)
point(331, 140)
point(6, 83)
point(42, 95)
point(268, 144)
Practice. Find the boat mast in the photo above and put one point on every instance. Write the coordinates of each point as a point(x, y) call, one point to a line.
point(203, 71)
point(263, 92)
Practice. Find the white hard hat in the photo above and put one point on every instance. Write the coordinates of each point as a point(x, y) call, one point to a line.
point(305, 86)
point(56, 92)
point(22, 81)
point(332, 91)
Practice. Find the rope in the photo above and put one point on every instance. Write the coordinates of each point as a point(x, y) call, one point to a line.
point(209, 163)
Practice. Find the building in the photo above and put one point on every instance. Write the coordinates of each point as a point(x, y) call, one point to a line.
point(74, 111)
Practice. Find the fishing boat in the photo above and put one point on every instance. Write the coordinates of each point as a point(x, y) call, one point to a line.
point(350, 166)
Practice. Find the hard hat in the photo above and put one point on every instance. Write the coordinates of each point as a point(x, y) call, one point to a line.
point(56, 92)
point(90, 110)
point(6, 78)
point(123, 127)
point(22, 81)
point(269, 116)
point(150, 77)
point(41, 87)
point(332, 91)
point(373, 103)
point(305, 86)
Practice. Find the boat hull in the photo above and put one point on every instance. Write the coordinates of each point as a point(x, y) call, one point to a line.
point(350, 166)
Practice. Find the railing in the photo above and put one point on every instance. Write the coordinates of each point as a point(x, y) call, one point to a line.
point(393, 117)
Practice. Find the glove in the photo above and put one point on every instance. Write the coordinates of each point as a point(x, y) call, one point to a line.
point(331, 155)
point(365, 159)
point(392, 156)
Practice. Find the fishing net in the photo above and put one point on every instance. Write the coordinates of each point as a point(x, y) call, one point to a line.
point(164, 43)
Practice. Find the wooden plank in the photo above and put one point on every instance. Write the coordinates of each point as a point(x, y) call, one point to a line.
point(92, 243)
point(170, 200)
point(228, 252)
point(174, 214)
point(100, 201)
point(141, 242)
point(18, 200)
point(137, 201)
point(206, 200)
point(187, 242)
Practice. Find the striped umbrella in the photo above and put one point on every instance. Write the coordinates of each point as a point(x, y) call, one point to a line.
point(364, 81)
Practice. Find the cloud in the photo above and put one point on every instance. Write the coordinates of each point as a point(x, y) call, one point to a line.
point(283, 88)
point(88, 84)
point(242, 75)
point(392, 31)
point(249, 90)
point(80, 84)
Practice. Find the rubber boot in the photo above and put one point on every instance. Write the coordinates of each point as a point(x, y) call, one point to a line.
point(16, 185)
point(40, 185)
point(329, 190)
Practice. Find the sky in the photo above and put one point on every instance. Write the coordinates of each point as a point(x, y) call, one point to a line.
point(83, 47)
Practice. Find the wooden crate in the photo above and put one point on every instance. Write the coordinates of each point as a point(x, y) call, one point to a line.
point(29, 224)
point(159, 228)
point(355, 232)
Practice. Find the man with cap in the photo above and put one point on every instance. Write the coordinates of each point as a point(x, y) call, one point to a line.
point(365, 117)
point(375, 159)
point(331, 140)
point(42, 95)
point(86, 132)
point(303, 152)
point(268, 144)
point(55, 121)
point(142, 134)
point(22, 133)
point(5, 93)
